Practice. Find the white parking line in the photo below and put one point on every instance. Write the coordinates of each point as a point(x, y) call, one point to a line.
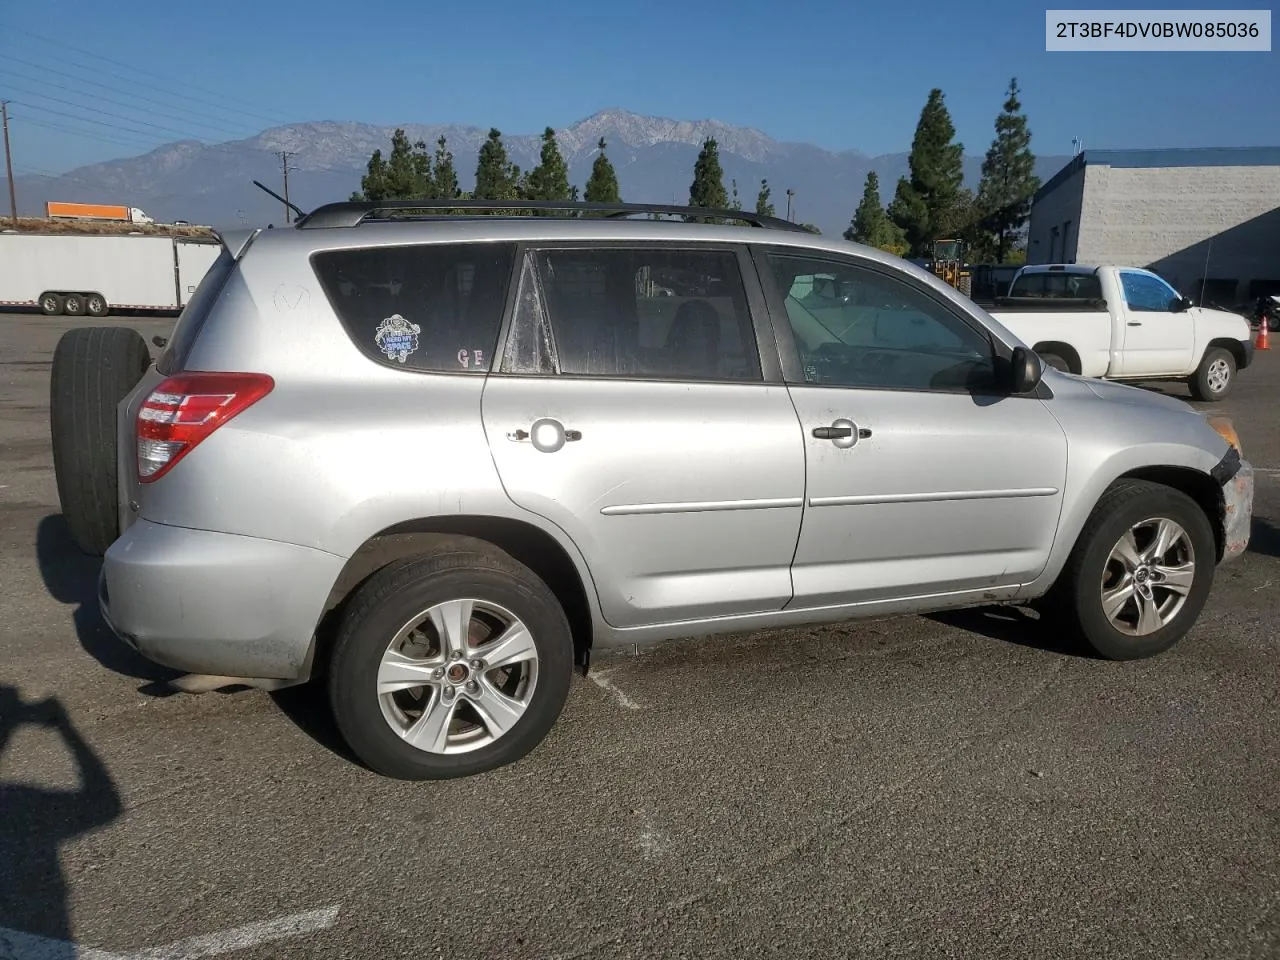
point(604, 683)
point(15, 945)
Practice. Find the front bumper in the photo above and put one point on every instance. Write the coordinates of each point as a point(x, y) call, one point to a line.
point(1235, 474)
point(216, 603)
point(1247, 343)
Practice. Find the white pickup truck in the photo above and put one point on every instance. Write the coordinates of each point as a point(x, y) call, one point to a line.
point(1124, 323)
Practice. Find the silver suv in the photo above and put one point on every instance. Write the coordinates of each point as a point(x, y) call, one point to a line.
point(437, 458)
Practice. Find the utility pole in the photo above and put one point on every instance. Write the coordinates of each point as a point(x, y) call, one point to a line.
point(790, 193)
point(285, 157)
point(8, 163)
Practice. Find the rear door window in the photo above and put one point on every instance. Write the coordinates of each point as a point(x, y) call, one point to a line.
point(430, 308)
point(646, 313)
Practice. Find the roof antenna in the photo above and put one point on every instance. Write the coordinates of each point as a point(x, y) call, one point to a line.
point(291, 206)
point(1204, 279)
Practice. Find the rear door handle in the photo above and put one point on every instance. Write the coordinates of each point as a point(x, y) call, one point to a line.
point(519, 434)
point(832, 433)
point(546, 434)
point(1135, 323)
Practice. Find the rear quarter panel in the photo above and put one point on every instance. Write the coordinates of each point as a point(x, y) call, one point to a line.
point(343, 447)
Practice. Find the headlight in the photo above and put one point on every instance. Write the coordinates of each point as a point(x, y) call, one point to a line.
point(1226, 429)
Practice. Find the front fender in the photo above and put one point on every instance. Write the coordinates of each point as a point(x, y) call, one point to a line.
point(1114, 430)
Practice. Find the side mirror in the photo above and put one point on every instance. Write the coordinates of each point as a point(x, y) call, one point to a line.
point(1027, 370)
point(1182, 304)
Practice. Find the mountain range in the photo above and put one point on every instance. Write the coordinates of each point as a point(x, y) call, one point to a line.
point(211, 183)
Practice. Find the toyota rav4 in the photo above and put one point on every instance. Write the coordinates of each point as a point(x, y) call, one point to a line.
point(436, 458)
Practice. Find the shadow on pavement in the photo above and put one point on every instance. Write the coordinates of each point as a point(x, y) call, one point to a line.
point(36, 821)
point(308, 707)
point(1014, 625)
point(1264, 538)
point(71, 577)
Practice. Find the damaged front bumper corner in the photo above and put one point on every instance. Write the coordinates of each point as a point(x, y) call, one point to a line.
point(1235, 475)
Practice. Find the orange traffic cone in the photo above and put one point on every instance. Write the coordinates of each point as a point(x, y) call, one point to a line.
point(1261, 342)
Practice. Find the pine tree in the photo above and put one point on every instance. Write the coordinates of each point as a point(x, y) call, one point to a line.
point(444, 178)
point(373, 185)
point(707, 189)
point(1008, 175)
point(764, 206)
point(924, 203)
point(405, 178)
point(497, 178)
point(871, 225)
point(549, 180)
point(602, 185)
point(869, 213)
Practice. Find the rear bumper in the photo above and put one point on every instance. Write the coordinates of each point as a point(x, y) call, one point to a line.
point(216, 603)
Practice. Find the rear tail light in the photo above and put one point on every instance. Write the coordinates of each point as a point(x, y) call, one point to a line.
point(184, 409)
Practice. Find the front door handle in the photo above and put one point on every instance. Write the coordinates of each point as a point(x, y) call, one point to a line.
point(832, 433)
point(843, 433)
point(1135, 323)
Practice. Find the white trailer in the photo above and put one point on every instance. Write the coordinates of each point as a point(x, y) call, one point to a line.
point(93, 274)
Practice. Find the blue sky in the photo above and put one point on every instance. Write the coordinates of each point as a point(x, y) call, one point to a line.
point(843, 75)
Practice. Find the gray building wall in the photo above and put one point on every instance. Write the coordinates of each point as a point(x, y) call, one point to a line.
point(1169, 210)
point(1055, 220)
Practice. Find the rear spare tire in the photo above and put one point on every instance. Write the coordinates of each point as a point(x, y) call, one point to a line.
point(94, 368)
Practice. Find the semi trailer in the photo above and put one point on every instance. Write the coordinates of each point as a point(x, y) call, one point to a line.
point(90, 274)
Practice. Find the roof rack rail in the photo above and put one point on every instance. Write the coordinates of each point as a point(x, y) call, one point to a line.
point(352, 213)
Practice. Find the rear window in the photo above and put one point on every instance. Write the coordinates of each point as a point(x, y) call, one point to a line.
point(432, 308)
point(194, 314)
point(1058, 286)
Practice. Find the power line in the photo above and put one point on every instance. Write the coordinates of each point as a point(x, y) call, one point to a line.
point(148, 143)
point(106, 113)
point(127, 106)
point(62, 45)
point(206, 104)
point(100, 123)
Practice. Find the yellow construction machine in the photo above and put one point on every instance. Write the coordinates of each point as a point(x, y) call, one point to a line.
point(948, 264)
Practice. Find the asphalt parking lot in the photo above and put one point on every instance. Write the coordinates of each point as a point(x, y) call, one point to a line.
point(951, 786)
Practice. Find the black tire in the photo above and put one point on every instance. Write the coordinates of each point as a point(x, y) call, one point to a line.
point(1078, 593)
point(51, 304)
point(73, 305)
point(457, 568)
point(94, 368)
point(1055, 361)
point(1215, 360)
point(96, 305)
